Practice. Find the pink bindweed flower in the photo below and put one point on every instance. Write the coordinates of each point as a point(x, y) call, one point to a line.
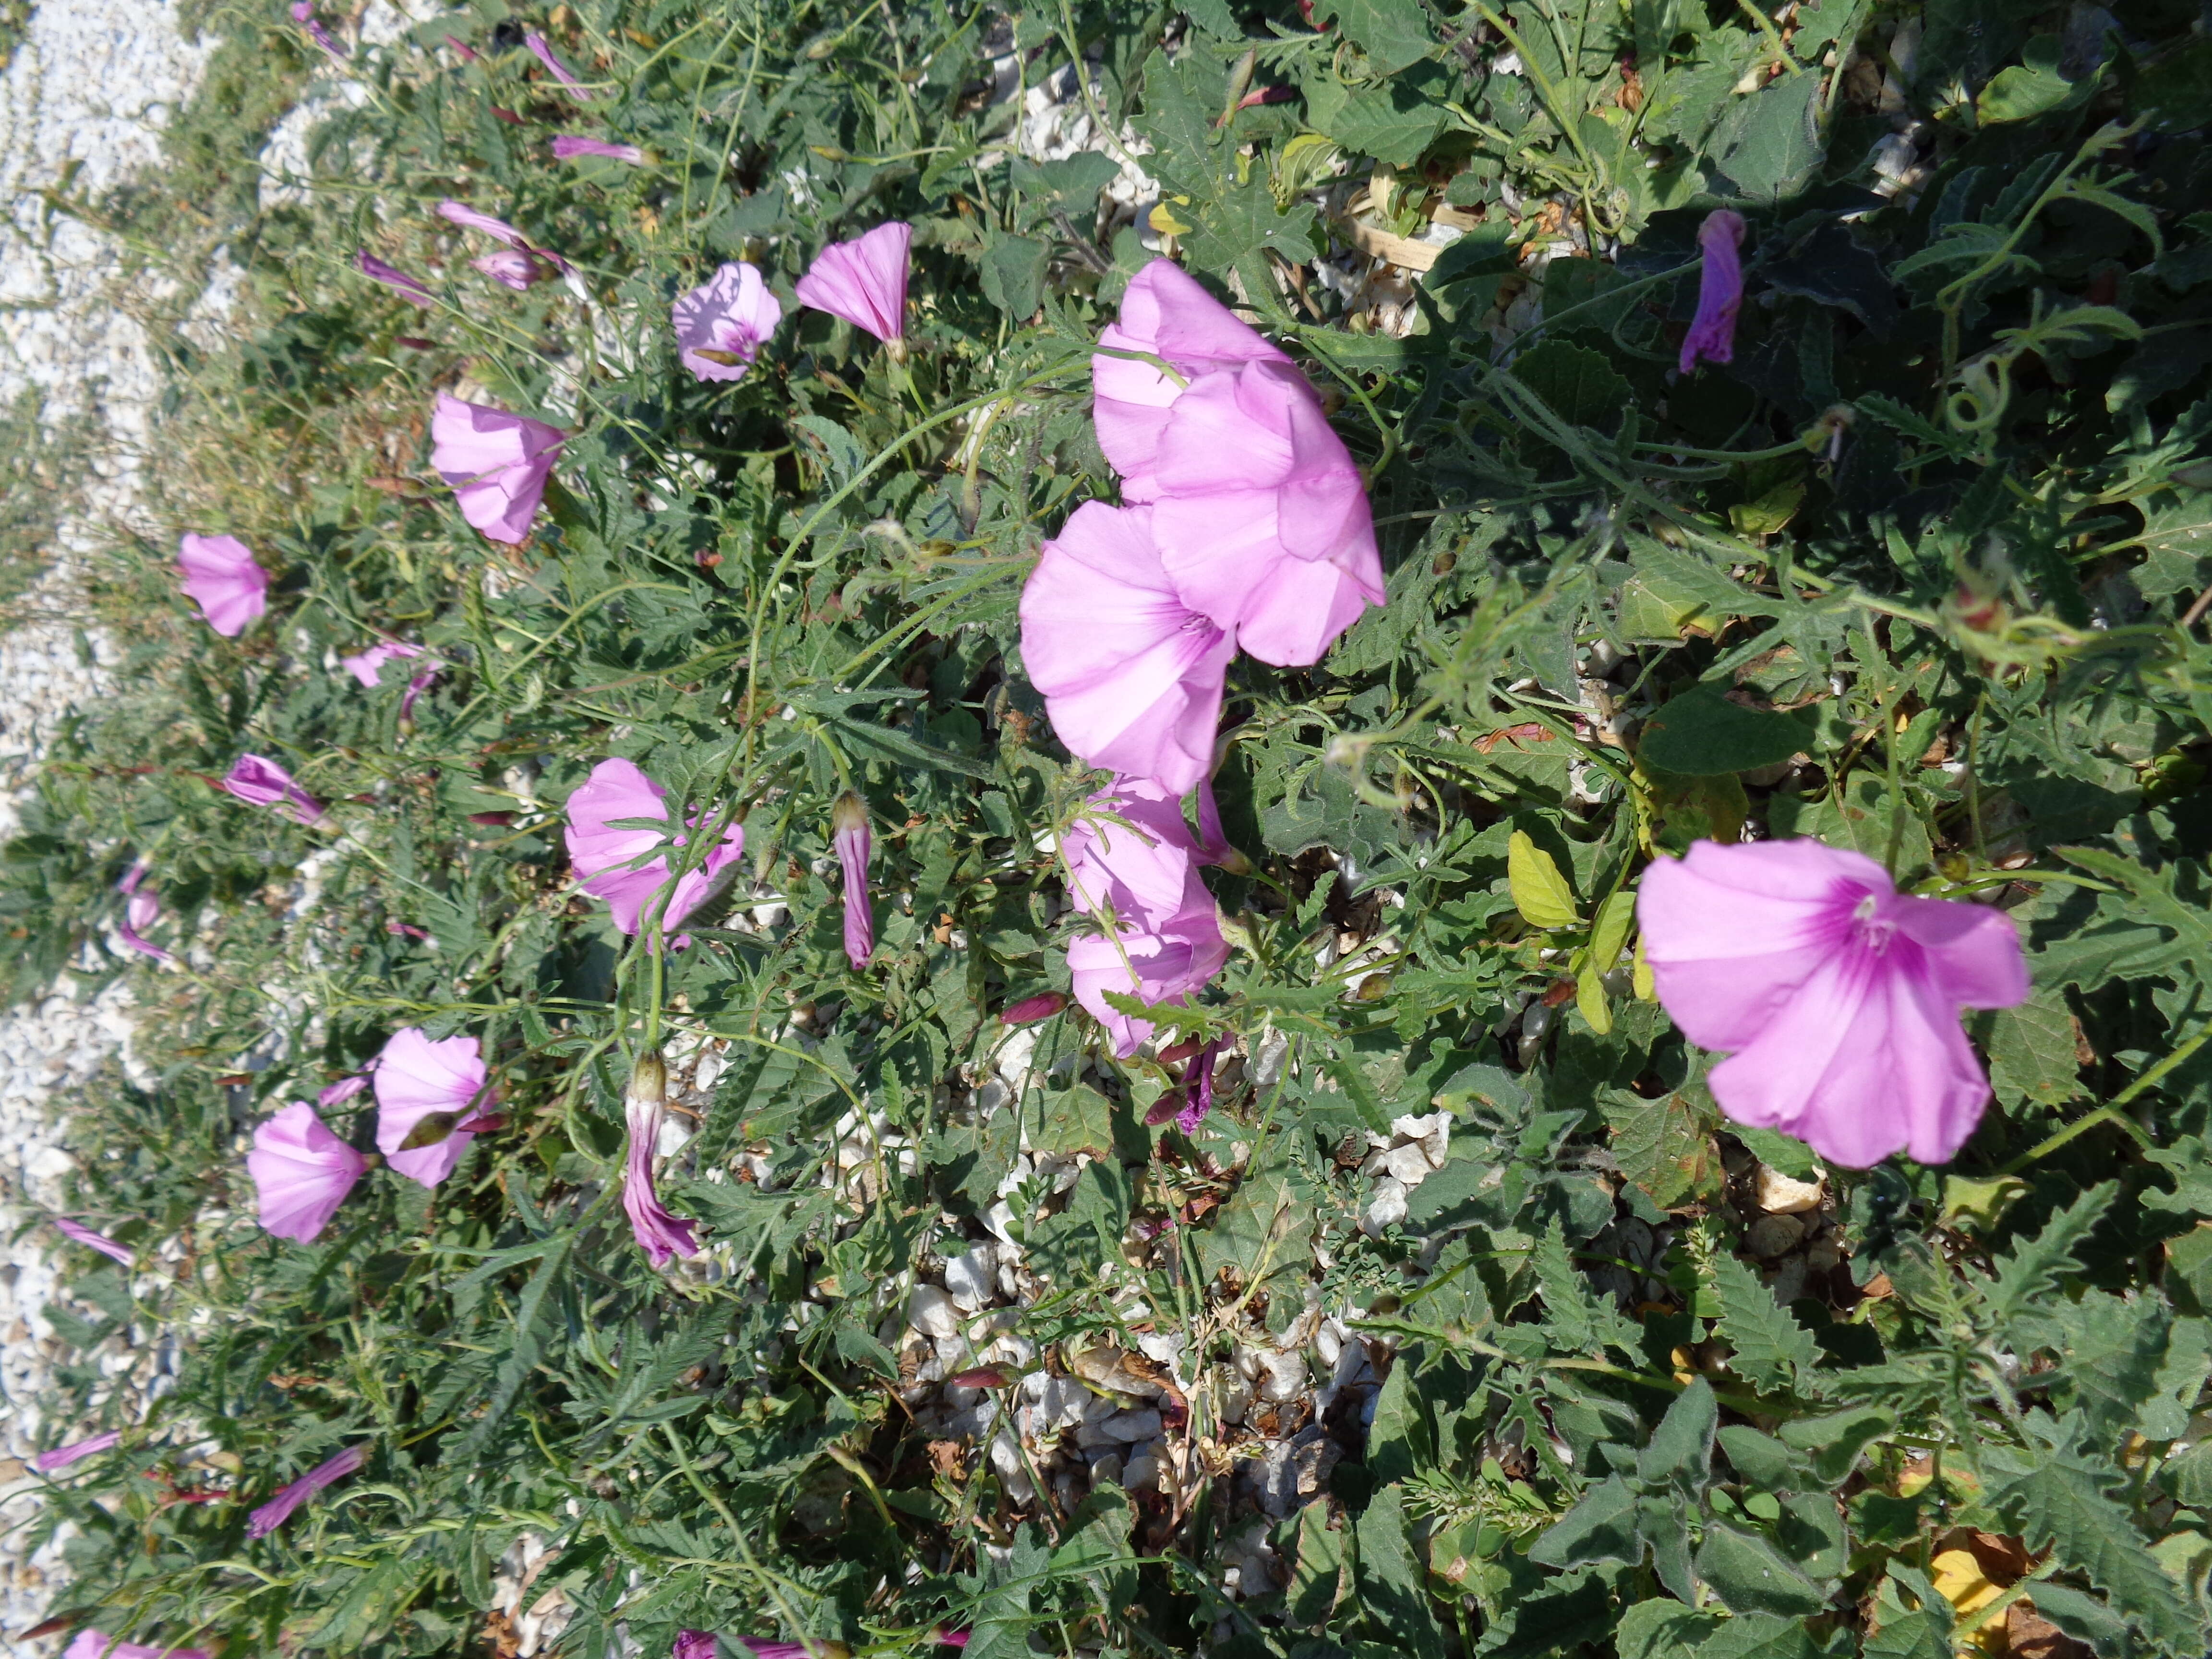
point(951, 1636)
point(1838, 995)
point(91, 1240)
point(394, 278)
point(863, 281)
point(1165, 314)
point(544, 54)
point(344, 1089)
point(301, 1173)
point(468, 218)
point(1261, 517)
point(519, 269)
point(498, 463)
point(416, 687)
point(1132, 676)
point(259, 780)
point(853, 842)
point(696, 1644)
point(1029, 1010)
point(720, 326)
point(221, 578)
point(605, 856)
point(815, 1649)
point(659, 1233)
point(303, 14)
point(142, 908)
point(568, 146)
point(98, 1644)
point(367, 666)
point(1720, 291)
point(47, 1462)
point(428, 1100)
point(1198, 1086)
point(1180, 954)
point(279, 1509)
point(467, 53)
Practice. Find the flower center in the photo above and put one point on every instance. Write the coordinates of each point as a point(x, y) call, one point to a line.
point(1869, 927)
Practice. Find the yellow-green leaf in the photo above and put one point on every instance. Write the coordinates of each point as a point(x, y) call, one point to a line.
point(1540, 893)
point(1589, 997)
point(1610, 931)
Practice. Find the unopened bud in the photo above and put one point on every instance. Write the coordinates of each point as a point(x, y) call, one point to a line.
point(648, 1079)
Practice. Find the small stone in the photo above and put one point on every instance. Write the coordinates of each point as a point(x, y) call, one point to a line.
point(1778, 1195)
point(1129, 1427)
point(1408, 1164)
point(1142, 1472)
point(1774, 1235)
point(930, 1311)
point(1106, 1471)
point(1386, 1209)
point(970, 1276)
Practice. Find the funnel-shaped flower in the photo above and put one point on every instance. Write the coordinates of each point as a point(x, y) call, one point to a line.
point(605, 856)
point(696, 1644)
point(853, 842)
point(1261, 517)
point(1165, 314)
point(497, 463)
point(428, 1095)
point(543, 53)
point(1164, 964)
point(98, 1644)
point(278, 1510)
point(1720, 291)
point(658, 1233)
point(221, 578)
point(367, 666)
point(720, 327)
point(260, 781)
point(1838, 995)
point(568, 146)
point(344, 1089)
point(1131, 675)
point(47, 1462)
point(863, 281)
point(91, 1240)
point(301, 1172)
point(394, 278)
point(142, 908)
point(517, 268)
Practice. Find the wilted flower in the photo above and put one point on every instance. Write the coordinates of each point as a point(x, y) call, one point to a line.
point(720, 327)
point(516, 273)
point(98, 1644)
point(1838, 995)
point(1132, 676)
point(91, 1240)
point(1198, 1086)
point(543, 53)
point(278, 1510)
point(260, 781)
point(852, 840)
point(303, 14)
point(221, 578)
point(344, 1089)
point(61, 1457)
point(430, 1097)
point(301, 1173)
point(141, 910)
point(1720, 291)
point(1029, 1010)
point(367, 666)
point(394, 278)
point(863, 281)
point(604, 855)
point(467, 52)
point(568, 147)
point(498, 463)
point(416, 687)
point(658, 1233)
point(517, 268)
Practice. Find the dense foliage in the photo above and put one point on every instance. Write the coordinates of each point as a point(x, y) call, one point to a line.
point(1917, 572)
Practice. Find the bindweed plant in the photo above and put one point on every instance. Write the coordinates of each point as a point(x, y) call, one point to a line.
point(1293, 829)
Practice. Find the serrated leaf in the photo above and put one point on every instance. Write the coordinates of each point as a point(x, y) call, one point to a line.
point(1540, 893)
point(1663, 1146)
point(1751, 1575)
point(2029, 1273)
point(838, 450)
point(1575, 382)
point(1761, 1636)
point(1392, 33)
point(2032, 1052)
point(1579, 1320)
point(1771, 1351)
point(2058, 1503)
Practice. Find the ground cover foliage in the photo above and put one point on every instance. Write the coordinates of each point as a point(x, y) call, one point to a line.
point(1915, 573)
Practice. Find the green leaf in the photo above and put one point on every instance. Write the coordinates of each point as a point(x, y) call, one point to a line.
point(1609, 930)
point(1664, 1145)
point(1680, 1453)
point(1764, 1462)
point(1701, 734)
point(1580, 1320)
point(1243, 221)
point(2031, 87)
point(2058, 1503)
point(1394, 122)
point(1761, 1636)
point(1013, 274)
point(2030, 1273)
point(1751, 1575)
point(1773, 1351)
point(1317, 1572)
point(1392, 33)
point(2083, 1617)
point(1540, 892)
point(838, 450)
point(2032, 1052)
point(1265, 1228)
point(1778, 1151)
point(1767, 144)
point(1659, 1629)
point(1576, 383)
point(1834, 1441)
point(1389, 1580)
point(1601, 1527)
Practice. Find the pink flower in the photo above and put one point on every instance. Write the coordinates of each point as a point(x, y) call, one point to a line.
point(852, 840)
point(460, 214)
point(720, 327)
point(260, 781)
point(863, 281)
point(221, 578)
point(659, 1233)
point(1838, 995)
point(303, 13)
point(517, 268)
point(91, 1240)
point(497, 463)
point(141, 910)
point(1029, 1010)
point(1131, 675)
point(467, 52)
point(814, 1650)
point(568, 147)
point(1164, 964)
point(428, 1093)
point(394, 278)
point(543, 53)
point(947, 1636)
point(98, 1644)
point(1720, 291)
point(1261, 517)
point(1165, 314)
point(344, 1089)
point(301, 1172)
point(416, 687)
point(605, 856)
point(61, 1457)
point(696, 1644)
point(1198, 1086)
point(278, 1510)
point(367, 666)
